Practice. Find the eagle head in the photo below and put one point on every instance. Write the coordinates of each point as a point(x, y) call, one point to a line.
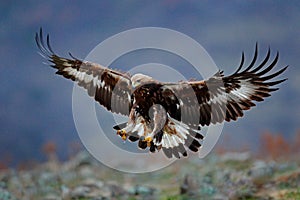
point(140, 79)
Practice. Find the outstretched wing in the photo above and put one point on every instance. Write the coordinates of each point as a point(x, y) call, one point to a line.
point(200, 103)
point(110, 88)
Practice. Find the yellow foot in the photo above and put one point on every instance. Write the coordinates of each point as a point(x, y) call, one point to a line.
point(148, 140)
point(122, 133)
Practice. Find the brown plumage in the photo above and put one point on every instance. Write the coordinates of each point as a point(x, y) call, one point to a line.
point(169, 116)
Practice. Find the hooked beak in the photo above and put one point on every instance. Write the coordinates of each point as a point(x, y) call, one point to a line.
point(134, 85)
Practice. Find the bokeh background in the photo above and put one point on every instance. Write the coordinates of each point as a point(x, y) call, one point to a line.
point(36, 104)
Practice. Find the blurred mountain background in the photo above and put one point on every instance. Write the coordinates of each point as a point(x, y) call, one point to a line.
point(36, 104)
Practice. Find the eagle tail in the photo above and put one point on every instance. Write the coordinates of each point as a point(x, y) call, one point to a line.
point(179, 136)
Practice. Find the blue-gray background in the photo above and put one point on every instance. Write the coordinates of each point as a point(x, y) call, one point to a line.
point(36, 104)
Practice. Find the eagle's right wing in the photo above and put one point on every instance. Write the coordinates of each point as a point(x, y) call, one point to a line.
point(112, 89)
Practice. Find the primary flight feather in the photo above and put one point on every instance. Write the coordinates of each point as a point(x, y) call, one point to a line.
point(168, 116)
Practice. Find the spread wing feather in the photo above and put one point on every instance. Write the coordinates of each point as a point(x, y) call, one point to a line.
point(222, 97)
point(110, 88)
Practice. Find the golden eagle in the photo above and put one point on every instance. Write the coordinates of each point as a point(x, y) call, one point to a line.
point(168, 116)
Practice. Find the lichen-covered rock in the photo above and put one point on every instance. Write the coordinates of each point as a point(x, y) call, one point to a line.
point(6, 195)
point(227, 177)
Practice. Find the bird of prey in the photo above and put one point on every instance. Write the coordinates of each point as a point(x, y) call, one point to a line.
point(168, 116)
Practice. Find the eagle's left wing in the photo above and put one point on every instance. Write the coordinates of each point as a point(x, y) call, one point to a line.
point(222, 97)
point(194, 104)
point(110, 88)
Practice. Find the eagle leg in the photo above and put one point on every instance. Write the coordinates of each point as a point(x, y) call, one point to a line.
point(125, 129)
point(159, 120)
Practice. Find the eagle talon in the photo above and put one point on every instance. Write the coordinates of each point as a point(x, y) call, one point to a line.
point(122, 133)
point(148, 140)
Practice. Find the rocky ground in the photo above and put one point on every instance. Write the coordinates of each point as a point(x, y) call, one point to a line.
point(226, 176)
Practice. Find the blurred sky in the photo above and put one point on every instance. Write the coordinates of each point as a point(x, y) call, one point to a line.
point(36, 104)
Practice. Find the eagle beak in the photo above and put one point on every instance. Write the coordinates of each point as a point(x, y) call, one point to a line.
point(134, 85)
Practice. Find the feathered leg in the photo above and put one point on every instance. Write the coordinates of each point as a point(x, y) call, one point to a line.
point(125, 129)
point(159, 121)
